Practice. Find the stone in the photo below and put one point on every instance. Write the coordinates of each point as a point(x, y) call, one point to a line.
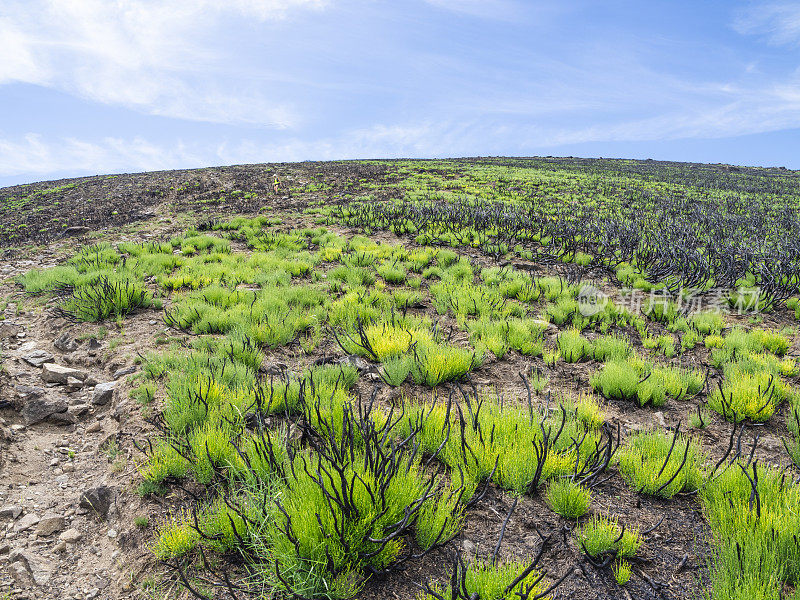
point(53, 373)
point(78, 409)
point(126, 371)
point(63, 418)
point(94, 427)
point(275, 369)
point(98, 499)
point(21, 575)
point(355, 361)
point(74, 384)
point(39, 409)
point(26, 392)
point(120, 412)
point(9, 330)
point(468, 547)
point(76, 230)
point(38, 357)
point(26, 522)
point(65, 342)
point(70, 536)
point(50, 523)
point(103, 393)
point(10, 511)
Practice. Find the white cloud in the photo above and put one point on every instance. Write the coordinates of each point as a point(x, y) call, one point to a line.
point(157, 56)
point(779, 21)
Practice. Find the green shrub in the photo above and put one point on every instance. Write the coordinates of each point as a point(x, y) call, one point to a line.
point(573, 347)
point(653, 462)
point(602, 535)
point(611, 348)
point(757, 550)
point(617, 379)
point(622, 572)
point(568, 499)
point(488, 581)
point(708, 322)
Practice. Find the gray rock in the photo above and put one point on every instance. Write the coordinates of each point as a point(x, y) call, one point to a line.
point(37, 410)
point(126, 371)
point(74, 384)
point(53, 373)
point(38, 357)
point(27, 392)
point(10, 511)
point(78, 410)
point(70, 536)
point(65, 342)
point(26, 522)
point(355, 361)
point(103, 393)
point(98, 499)
point(76, 230)
point(9, 330)
point(21, 575)
point(50, 523)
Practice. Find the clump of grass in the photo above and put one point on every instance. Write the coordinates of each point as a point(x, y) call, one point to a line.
point(486, 580)
point(106, 297)
point(661, 310)
point(522, 335)
point(622, 572)
point(699, 418)
point(708, 322)
point(751, 510)
point(141, 521)
point(603, 535)
point(396, 370)
point(656, 463)
point(568, 499)
point(392, 273)
point(573, 347)
point(748, 394)
point(435, 363)
point(611, 348)
point(636, 379)
point(617, 379)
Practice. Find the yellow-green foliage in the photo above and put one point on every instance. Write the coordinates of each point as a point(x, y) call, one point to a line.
point(611, 347)
point(489, 581)
point(757, 543)
point(708, 322)
point(503, 436)
point(752, 388)
point(636, 379)
point(573, 347)
point(622, 572)
point(523, 335)
point(652, 464)
point(568, 499)
point(603, 534)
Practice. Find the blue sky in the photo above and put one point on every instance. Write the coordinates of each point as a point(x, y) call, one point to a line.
point(99, 86)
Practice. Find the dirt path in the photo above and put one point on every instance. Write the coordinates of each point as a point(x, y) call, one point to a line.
point(67, 505)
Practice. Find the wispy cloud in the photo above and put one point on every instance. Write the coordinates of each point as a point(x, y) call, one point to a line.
point(159, 57)
point(778, 21)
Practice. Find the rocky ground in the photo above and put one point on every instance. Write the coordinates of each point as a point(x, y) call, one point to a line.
point(67, 469)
